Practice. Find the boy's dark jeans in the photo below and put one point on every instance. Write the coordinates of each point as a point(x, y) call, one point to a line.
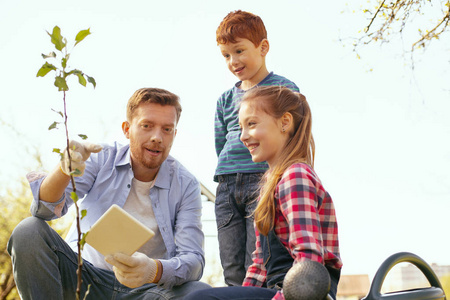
point(235, 202)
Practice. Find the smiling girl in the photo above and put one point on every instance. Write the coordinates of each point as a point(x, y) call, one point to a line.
point(295, 217)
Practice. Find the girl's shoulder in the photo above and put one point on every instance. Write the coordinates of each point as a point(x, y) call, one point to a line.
point(299, 173)
point(300, 177)
point(299, 169)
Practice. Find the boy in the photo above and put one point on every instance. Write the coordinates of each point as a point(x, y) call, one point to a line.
point(242, 39)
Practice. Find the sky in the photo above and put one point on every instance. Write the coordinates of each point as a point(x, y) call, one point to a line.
point(381, 128)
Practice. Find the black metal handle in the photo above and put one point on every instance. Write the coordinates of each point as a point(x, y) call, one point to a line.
point(433, 292)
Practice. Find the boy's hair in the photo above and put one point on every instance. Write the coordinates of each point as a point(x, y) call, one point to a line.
point(276, 101)
point(153, 95)
point(241, 24)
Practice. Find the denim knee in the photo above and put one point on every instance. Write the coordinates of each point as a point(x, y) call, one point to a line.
point(25, 233)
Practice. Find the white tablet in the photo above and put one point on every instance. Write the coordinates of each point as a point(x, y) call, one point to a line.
point(118, 231)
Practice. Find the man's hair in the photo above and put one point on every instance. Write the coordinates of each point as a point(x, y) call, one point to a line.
point(241, 24)
point(153, 95)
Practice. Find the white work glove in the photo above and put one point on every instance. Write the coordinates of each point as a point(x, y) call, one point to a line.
point(133, 271)
point(79, 153)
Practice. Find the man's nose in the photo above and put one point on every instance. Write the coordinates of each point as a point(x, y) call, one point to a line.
point(156, 136)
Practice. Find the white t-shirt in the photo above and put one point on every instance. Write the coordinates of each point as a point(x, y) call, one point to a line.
point(139, 205)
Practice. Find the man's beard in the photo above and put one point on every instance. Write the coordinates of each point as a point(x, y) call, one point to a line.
point(139, 153)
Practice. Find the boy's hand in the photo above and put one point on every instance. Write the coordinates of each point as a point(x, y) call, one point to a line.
point(133, 271)
point(79, 153)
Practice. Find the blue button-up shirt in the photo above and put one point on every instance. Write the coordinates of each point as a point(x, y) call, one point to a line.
point(176, 201)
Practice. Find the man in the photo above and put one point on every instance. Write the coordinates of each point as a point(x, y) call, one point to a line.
point(141, 178)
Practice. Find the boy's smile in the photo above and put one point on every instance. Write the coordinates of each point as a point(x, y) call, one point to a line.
point(246, 61)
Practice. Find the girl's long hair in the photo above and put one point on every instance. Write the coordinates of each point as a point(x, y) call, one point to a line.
point(276, 101)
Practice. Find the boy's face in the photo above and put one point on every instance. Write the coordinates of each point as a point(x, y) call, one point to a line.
point(246, 61)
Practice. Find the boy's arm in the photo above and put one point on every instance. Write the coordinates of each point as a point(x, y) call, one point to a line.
point(220, 128)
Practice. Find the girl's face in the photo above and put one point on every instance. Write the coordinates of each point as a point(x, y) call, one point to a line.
point(261, 134)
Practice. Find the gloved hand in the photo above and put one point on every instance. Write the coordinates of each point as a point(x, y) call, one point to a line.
point(133, 271)
point(79, 153)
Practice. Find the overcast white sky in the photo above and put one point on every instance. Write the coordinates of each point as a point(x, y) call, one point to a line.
point(382, 136)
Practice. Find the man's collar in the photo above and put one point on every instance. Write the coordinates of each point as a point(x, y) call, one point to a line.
point(163, 176)
point(123, 158)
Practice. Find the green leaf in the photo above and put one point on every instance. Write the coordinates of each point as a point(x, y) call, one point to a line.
point(45, 69)
point(50, 55)
point(83, 213)
point(81, 35)
point(57, 150)
point(83, 239)
point(80, 76)
point(58, 112)
point(57, 39)
point(61, 83)
point(74, 196)
point(83, 136)
point(81, 79)
point(53, 126)
point(64, 60)
point(76, 172)
point(92, 80)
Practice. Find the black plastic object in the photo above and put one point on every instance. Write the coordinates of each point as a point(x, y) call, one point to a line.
point(307, 280)
point(434, 292)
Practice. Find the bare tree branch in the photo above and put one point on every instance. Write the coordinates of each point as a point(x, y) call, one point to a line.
point(430, 34)
point(393, 17)
point(374, 16)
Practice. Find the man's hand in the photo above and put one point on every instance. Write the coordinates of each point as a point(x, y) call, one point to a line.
point(79, 153)
point(133, 271)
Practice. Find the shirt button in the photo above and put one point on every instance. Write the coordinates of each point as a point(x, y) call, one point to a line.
point(128, 185)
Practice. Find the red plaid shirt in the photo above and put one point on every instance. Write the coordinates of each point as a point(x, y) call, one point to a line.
point(305, 222)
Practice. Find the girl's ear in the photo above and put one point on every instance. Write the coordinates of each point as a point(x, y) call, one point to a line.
point(125, 129)
point(286, 122)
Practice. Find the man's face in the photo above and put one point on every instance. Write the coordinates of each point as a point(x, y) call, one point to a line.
point(151, 132)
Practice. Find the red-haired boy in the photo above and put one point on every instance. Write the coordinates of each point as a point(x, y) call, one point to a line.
point(242, 39)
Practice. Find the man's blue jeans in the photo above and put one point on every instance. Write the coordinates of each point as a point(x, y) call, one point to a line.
point(45, 268)
point(235, 202)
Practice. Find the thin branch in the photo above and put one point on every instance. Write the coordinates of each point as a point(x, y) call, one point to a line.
point(8, 288)
point(74, 189)
point(374, 17)
point(426, 36)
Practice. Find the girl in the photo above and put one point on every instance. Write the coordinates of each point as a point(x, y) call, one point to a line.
point(295, 217)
